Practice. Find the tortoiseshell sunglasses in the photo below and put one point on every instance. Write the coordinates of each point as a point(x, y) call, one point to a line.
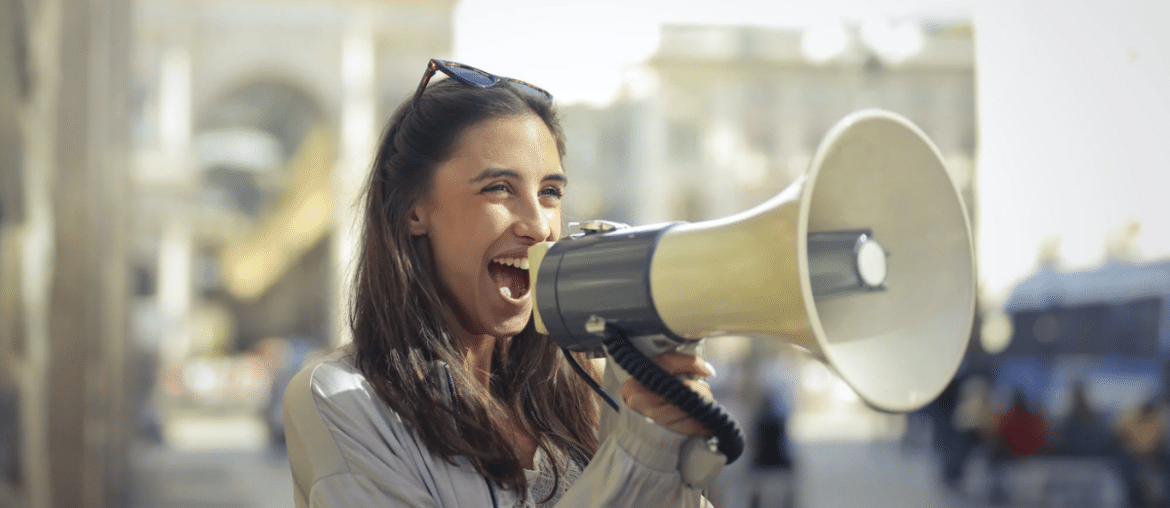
point(471, 76)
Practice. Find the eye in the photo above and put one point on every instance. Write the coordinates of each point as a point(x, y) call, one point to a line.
point(495, 188)
point(552, 192)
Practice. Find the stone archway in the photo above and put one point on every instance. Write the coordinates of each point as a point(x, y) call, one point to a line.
point(265, 154)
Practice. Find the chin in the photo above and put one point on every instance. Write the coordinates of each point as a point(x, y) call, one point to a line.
point(512, 327)
point(506, 324)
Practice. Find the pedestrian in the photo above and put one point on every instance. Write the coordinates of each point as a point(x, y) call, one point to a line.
point(1020, 431)
point(1144, 464)
point(1083, 433)
point(772, 463)
point(974, 427)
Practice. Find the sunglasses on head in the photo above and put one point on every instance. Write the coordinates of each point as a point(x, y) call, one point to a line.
point(471, 76)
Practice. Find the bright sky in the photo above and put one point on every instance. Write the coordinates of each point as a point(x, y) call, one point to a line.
point(577, 49)
point(1073, 103)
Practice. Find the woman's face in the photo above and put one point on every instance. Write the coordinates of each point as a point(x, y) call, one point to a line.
point(498, 194)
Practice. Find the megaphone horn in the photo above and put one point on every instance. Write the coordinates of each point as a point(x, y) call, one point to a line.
point(865, 261)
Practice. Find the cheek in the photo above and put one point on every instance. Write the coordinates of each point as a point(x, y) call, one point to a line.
point(445, 266)
point(461, 245)
point(457, 257)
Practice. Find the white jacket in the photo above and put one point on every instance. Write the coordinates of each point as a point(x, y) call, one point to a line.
point(348, 449)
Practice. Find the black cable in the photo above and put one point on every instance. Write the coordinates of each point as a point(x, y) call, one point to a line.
point(709, 413)
point(492, 491)
point(589, 379)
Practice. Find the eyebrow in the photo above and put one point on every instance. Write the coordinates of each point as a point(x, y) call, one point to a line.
point(490, 173)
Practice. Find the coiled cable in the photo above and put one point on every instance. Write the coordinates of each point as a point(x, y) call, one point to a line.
point(709, 413)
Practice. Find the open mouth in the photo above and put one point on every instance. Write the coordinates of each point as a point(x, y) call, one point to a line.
point(510, 276)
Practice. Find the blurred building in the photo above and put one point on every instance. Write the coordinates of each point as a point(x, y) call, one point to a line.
point(722, 118)
point(177, 189)
point(1106, 329)
point(64, 409)
point(255, 123)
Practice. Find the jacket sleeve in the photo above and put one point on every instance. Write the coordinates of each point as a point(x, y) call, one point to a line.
point(345, 450)
point(635, 466)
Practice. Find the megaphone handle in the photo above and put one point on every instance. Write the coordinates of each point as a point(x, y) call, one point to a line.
point(707, 412)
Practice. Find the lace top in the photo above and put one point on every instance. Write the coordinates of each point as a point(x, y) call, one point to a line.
point(541, 484)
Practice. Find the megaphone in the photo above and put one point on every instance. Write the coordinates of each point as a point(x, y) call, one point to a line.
point(865, 262)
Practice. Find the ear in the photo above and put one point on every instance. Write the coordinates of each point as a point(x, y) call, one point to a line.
point(419, 225)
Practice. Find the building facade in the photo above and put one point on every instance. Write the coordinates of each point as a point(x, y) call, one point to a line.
point(729, 116)
point(179, 181)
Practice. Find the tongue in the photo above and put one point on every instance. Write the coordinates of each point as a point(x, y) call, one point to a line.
point(515, 279)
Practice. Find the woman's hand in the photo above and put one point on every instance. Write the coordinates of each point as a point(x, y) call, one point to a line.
point(653, 406)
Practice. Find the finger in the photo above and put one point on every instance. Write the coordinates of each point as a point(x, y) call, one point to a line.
point(675, 419)
point(662, 412)
point(638, 401)
point(667, 416)
point(681, 363)
point(678, 421)
point(667, 412)
point(702, 388)
point(652, 405)
point(632, 387)
point(691, 427)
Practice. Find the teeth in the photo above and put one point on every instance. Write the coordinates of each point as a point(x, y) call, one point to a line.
point(521, 263)
point(506, 291)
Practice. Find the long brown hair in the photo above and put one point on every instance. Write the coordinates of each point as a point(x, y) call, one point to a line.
point(397, 313)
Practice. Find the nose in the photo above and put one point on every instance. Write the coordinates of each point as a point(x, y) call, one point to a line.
point(535, 222)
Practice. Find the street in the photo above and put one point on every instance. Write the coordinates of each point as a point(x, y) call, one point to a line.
point(831, 475)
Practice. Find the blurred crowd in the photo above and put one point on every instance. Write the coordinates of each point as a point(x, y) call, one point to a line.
point(1021, 450)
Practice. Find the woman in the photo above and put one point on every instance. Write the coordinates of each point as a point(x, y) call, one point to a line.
point(447, 396)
